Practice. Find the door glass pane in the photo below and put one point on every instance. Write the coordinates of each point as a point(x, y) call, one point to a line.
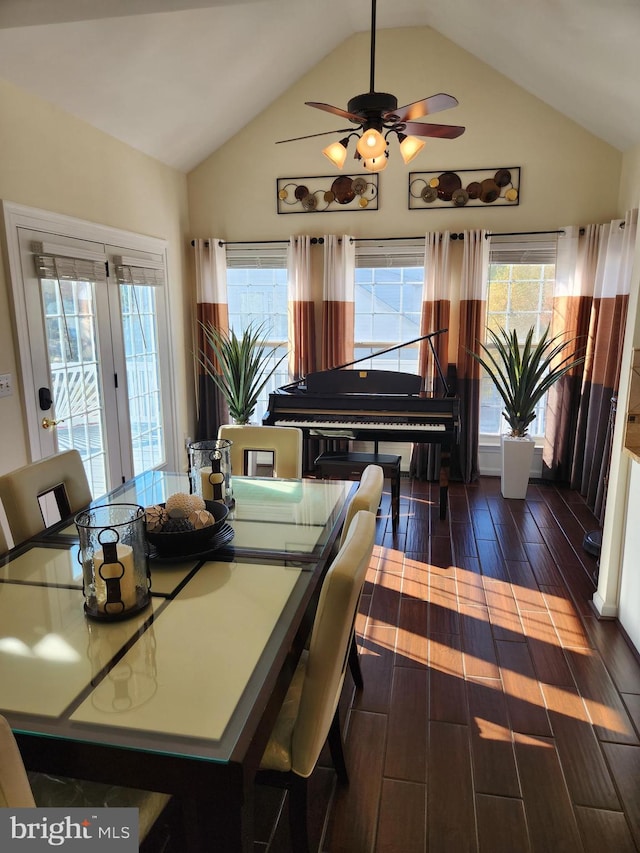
point(72, 344)
point(140, 333)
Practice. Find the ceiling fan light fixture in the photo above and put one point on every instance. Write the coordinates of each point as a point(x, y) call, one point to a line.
point(371, 144)
point(337, 152)
point(410, 147)
point(376, 164)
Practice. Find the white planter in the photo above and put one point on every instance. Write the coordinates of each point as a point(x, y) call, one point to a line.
point(517, 456)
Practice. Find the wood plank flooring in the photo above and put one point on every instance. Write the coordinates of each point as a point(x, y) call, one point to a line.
point(498, 714)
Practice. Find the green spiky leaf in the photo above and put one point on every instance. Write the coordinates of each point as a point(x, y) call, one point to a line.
point(239, 367)
point(523, 373)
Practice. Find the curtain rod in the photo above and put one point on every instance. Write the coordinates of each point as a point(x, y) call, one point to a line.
point(249, 242)
point(518, 233)
point(458, 236)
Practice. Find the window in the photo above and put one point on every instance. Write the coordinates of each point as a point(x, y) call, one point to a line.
point(257, 293)
point(388, 299)
point(520, 295)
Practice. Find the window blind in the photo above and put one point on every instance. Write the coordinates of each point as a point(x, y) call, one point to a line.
point(257, 256)
point(519, 251)
point(60, 268)
point(128, 274)
point(395, 254)
point(139, 271)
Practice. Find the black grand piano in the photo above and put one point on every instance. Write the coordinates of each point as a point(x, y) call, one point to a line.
point(372, 405)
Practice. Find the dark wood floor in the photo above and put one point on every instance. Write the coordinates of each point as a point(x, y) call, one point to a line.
point(498, 713)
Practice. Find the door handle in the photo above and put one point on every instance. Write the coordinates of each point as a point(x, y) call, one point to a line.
point(49, 423)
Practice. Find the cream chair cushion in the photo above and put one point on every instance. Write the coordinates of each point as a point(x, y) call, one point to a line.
point(19, 491)
point(57, 792)
point(284, 442)
point(367, 496)
point(15, 791)
point(21, 790)
point(303, 724)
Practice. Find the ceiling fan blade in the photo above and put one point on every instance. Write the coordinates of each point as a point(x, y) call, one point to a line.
point(425, 107)
point(441, 131)
point(311, 135)
point(335, 110)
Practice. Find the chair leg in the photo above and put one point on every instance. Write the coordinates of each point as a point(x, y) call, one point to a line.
point(298, 815)
point(337, 750)
point(354, 663)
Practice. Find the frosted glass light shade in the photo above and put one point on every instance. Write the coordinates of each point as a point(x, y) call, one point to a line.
point(376, 164)
point(410, 147)
point(371, 144)
point(337, 153)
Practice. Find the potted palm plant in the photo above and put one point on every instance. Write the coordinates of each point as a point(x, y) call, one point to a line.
point(239, 366)
point(522, 374)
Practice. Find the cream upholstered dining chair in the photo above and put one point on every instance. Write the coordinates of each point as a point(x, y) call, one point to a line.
point(309, 714)
point(4, 545)
point(367, 497)
point(284, 443)
point(21, 790)
point(62, 475)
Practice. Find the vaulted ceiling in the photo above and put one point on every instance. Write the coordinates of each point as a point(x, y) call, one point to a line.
point(178, 78)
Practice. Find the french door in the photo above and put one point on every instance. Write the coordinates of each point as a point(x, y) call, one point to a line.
point(98, 362)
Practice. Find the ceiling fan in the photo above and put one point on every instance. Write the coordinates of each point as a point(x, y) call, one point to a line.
point(377, 115)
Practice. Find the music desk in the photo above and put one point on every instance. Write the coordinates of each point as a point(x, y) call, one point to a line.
point(182, 697)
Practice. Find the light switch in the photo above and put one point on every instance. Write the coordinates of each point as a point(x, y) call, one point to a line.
point(6, 384)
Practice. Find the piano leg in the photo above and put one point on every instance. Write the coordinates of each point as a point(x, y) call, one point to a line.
point(445, 459)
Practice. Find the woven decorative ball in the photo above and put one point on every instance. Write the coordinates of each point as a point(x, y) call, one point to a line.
point(183, 542)
point(200, 518)
point(155, 518)
point(180, 504)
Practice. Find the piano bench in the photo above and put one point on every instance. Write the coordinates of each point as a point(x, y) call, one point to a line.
point(349, 466)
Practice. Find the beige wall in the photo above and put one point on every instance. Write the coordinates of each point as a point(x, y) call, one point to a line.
point(568, 175)
point(630, 180)
point(51, 161)
point(54, 162)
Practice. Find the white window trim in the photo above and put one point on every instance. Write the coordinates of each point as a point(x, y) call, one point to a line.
point(17, 216)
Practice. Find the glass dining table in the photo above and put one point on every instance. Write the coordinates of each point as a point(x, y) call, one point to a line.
point(180, 698)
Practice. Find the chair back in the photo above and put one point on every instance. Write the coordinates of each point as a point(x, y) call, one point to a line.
point(329, 644)
point(367, 496)
point(15, 791)
point(285, 443)
point(62, 474)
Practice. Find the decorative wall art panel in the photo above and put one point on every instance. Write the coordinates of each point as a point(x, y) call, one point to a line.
point(327, 193)
point(465, 188)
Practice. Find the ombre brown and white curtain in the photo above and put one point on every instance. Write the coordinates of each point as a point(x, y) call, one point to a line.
point(435, 315)
point(302, 325)
point(593, 278)
point(473, 310)
point(211, 307)
point(338, 309)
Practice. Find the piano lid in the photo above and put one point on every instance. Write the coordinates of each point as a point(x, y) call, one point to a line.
point(369, 381)
point(363, 382)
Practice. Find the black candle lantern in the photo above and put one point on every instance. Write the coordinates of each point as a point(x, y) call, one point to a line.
point(210, 470)
point(113, 555)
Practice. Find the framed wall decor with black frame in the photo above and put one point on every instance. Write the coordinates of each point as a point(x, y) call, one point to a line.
point(327, 193)
point(464, 188)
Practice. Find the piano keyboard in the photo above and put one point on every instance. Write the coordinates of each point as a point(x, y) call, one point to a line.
point(362, 425)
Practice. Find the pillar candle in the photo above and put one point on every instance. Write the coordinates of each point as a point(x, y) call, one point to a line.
point(104, 571)
point(212, 485)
